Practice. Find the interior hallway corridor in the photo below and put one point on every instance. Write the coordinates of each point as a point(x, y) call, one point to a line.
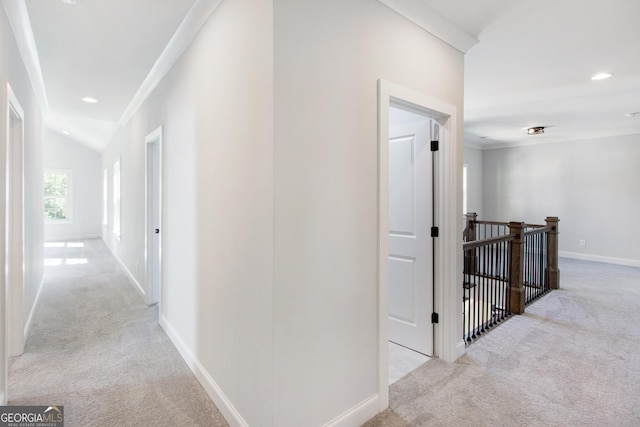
point(96, 348)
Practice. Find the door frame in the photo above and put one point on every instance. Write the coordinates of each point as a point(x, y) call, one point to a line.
point(153, 292)
point(448, 344)
point(11, 247)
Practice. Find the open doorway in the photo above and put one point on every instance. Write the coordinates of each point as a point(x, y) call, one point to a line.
point(12, 232)
point(153, 215)
point(411, 256)
point(417, 236)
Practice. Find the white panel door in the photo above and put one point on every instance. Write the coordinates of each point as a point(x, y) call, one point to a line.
point(410, 241)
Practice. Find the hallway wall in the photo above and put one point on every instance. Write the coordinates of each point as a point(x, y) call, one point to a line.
point(591, 185)
point(329, 56)
point(61, 152)
point(12, 70)
point(270, 199)
point(216, 109)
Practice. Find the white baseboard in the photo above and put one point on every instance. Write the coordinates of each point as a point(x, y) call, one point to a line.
point(599, 258)
point(27, 326)
point(357, 415)
point(221, 401)
point(126, 270)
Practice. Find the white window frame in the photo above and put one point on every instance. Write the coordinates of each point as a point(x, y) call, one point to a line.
point(69, 196)
point(117, 205)
point(105, 197)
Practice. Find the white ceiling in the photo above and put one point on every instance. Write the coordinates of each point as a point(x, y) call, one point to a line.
point(531, 67)
point(98, 48)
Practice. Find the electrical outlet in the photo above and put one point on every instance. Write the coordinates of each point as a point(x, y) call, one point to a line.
point(583, 243)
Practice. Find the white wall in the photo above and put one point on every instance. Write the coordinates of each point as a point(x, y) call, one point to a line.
point(61, 152)
point(12, 70)
point(328, 58)
point(216, 107)
point(475, 169)
point(276, 314)
point(591, 185)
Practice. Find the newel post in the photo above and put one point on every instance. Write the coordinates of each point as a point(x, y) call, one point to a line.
point(470, 230)
point(516, 290)
point(553, 273)
point(469, 236)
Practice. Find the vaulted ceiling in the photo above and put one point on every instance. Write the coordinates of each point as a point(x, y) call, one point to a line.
point(532, 64)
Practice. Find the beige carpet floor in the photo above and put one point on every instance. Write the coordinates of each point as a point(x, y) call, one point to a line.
point(573, 359)
point(97, 349)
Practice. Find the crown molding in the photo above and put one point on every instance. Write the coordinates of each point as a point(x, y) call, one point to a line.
point(18, 17)
point(184, 35)
point(431, 21)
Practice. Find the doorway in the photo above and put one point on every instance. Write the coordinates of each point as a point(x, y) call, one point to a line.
point(411, 255)
point(153, 215)
point(420, 296)
point(12, 233)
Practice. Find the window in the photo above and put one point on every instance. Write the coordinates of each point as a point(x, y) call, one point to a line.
point(116, 198)
point(58, 206)
point(105, 198)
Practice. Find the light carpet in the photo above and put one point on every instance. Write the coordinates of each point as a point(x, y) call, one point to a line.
point(573, 359)
point(97, 349)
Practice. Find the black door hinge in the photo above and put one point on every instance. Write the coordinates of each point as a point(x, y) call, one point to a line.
point(434, 318)
point(434, 145)
point(434, 231)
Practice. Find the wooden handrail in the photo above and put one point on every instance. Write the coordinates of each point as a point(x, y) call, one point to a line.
point(486, 242)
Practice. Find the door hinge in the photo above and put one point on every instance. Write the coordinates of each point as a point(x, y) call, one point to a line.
point(434, 145)
point(434, 318)
point(434, 231)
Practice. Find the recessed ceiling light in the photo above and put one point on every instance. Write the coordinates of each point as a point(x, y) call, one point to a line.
point(635, 114)
point(601, 76)
point(89, 99)
point(68, 1)
point(66, 132)
point(536, 130)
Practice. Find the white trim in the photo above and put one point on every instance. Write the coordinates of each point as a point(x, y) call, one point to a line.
point(13, 218)
point(447, 338)
point(154, 137)
point(27, 327)
point(117, 210)
point(21, 25)
point(431, 21)
point(222, 402)
point(126, 270)
point(357, 415)
point(599, 258)
point(182, 38)
point(105, 197)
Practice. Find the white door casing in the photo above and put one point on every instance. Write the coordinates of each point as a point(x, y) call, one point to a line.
point(447, 340)
point(153, 216)
point(410, 241)
point(14, 221)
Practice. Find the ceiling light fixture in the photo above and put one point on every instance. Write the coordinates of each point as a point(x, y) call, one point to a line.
point(537, 130)
point(630, 115)
point(66, 132)
point(89, 99)
point(68, 1)
point(601, 76)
